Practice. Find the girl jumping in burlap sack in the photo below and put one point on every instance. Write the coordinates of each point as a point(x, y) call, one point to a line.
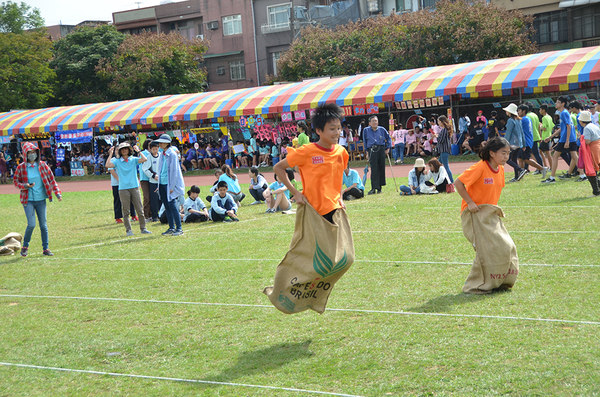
point(496, 264)
point(322, 249)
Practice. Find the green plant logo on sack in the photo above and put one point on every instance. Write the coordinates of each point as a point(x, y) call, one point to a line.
point(324, 266)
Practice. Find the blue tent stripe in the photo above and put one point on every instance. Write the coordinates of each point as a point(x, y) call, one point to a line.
point(462, 86)
point(344, 94)
point(379, 95)
point(533, 80)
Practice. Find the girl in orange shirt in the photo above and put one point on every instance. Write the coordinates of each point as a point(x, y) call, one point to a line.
point(482, 183)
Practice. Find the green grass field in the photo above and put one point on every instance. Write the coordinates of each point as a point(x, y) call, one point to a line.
point(397, 323)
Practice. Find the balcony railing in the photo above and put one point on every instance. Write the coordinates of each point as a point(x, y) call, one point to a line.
point(267, 28)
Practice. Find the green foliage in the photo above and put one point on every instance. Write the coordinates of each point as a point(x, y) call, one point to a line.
point(152, 64)
point(455, 32)
point(24, 71)
point(16, 18)
point(76, 57)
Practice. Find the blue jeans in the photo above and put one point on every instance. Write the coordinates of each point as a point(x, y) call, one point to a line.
point(399, 151)
point(406, 189)
point(170, 208)
point(444, 161)
point(31, 209)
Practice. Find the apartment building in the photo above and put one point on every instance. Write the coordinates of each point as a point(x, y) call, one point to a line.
point(227, 24)
point(561, 24)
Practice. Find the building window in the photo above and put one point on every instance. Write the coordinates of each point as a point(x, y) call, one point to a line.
point(429, 3)
point(550, 27)
point(232, 25)
point(275, 56)
point(279, 14)
point(584, 22)
point(237, 70)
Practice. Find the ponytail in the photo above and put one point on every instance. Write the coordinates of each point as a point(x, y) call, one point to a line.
point(227, 170)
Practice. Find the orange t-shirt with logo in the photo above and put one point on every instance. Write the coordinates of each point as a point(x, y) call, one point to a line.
point(322, 174)
point(483, 183)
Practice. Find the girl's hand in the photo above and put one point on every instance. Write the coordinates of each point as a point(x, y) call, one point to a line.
point(473, 207)
point(300, 199)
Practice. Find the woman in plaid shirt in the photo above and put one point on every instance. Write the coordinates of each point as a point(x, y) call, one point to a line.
point(36, 182)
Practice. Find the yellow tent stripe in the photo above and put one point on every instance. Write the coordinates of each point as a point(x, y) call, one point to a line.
point(407, 95)
point(497, 84)
point(573, 76)
point(544, 79)
point(472, 86)
point(440, 79)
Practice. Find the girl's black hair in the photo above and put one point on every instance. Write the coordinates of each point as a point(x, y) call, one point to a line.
point(326, 113)
point(494, 144)
point(290, 174)
point(193, 189)
point(254, 170)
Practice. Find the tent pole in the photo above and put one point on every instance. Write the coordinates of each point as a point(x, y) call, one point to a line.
point(520, 96)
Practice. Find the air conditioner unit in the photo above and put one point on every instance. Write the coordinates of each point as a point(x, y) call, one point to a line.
point(220, 70)
point(213, 25)
point(200, 36)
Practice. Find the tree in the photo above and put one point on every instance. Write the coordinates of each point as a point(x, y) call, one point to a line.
point(15, 18)
point(76, 57)
point(455, 32)
point(151, 64)
point(25, 74)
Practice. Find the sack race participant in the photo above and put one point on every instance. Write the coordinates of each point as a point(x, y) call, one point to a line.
point(322, 248)
point(496, 264)
point(10, 244)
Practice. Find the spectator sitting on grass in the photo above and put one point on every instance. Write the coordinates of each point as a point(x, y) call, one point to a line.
point(233, 184)
point(417, 176)
point(354, 185)
point(258, 185)
point(281, 202)
point(222, 205)
point(438, 175)
point(194, 209)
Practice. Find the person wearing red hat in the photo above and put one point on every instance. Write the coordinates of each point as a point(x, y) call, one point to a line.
point(480, 116)
point(36, 182)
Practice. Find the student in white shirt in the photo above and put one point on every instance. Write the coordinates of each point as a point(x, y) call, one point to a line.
point(194, 209)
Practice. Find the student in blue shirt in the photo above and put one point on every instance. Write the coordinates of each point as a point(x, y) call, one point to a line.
point(354, 185)
point(233, 185)
point(525, 154)
point(171, 184)
point(567, 140)
point(194, 209)
point(129, 186)
point(378, 144)
point(281, 202)
point(222, 206)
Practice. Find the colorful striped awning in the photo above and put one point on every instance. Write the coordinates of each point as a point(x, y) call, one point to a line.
point(535, 73)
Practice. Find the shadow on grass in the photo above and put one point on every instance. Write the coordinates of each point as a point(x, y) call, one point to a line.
point(442, 303)
point(574, 200)
point(263, 360)
point(10, 259)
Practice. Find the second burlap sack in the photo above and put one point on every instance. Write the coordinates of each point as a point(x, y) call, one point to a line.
point(496, 264)
point(10, 244)
point(320, 253)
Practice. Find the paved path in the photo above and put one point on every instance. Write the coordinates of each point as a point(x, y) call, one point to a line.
point(400, 171)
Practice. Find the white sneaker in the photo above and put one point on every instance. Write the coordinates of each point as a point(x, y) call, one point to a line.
point(256, 202)
point(545, 171)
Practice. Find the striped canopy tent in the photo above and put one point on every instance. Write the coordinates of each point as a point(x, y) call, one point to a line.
point(535, 73)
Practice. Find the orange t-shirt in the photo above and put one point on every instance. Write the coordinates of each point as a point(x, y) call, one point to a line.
point(483, 184)
point(322, 174)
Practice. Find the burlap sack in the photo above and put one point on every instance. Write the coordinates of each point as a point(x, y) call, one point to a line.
point(10, 244)
point(496, 264)
point(319, 255)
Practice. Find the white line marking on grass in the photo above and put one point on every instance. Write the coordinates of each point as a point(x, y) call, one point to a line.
point(206, 382)
point(522, 206)
point(333, 310)
point(460, 231)
point(137, 238)
point(279, 260)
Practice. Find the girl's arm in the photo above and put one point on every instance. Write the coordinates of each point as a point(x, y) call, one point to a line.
point(462, 190)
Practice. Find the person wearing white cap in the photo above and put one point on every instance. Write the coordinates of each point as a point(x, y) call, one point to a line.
point(416, 177)
point(515, 137)
point(171, 184)
point(129, 185)
point(590, 149)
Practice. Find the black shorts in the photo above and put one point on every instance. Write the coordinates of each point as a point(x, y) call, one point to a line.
point(426, 152)
point(544, 146)
point(525, 153)
point(187, 164)
point(560, 147)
